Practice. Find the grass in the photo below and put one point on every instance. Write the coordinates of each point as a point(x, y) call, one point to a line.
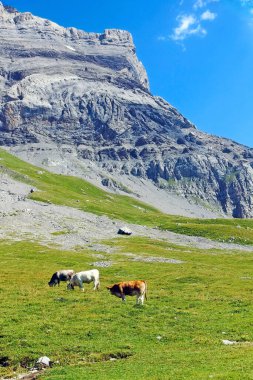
point(177, 334)
point(62, 232)
point(77, 193)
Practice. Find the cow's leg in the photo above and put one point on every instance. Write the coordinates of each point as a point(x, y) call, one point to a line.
point(80, 284)
point(140, 299)
point(96, 285)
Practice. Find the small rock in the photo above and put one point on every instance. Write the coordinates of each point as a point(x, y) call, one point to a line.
point(124, 231)
point(228, 342)
point(44, 361)
point(102, 264)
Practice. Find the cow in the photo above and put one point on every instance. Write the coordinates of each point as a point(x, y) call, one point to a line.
point(130, 288)
point(84, 277)
point(61, 275)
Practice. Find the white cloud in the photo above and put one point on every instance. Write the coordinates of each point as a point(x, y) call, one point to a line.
point(249, 5)
point(246, 2)
point(192, 24)
point(199, 4)
point(188, 25)
point(208, 16)
point(203, 3)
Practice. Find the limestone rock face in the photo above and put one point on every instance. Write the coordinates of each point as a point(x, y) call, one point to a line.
point(89, 93)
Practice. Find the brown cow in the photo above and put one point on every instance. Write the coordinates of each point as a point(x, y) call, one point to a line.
point(130, 288)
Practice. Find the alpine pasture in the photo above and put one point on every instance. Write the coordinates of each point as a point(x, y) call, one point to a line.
point(195, 324)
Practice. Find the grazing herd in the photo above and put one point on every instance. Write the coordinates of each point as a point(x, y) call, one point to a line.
point(121, 290)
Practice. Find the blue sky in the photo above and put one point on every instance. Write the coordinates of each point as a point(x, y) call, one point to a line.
point(198, 53)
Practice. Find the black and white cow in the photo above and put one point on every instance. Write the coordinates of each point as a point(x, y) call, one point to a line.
point(61, 275)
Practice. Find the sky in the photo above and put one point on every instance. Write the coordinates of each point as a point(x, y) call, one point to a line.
point(198, 53)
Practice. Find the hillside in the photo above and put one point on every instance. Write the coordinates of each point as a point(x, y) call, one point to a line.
point(199, 290)
point(78, 102)
point(67, 211)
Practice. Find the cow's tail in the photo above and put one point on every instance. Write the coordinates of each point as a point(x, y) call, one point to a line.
point(146, 290)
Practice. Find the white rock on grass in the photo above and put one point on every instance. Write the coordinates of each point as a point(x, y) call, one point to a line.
point(229, 342)
point(44, 361)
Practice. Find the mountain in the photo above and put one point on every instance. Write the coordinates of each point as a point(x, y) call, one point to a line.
point(80, 103)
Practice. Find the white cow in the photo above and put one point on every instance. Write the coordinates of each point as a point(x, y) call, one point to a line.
point(86, 277)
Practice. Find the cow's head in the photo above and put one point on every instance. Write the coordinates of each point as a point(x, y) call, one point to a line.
point(70, 286)
point(54, 280)
point(115, 290)
point(52, 283)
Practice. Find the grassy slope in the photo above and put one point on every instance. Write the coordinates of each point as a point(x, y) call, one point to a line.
point(75, 192)
point(177, 334)
point(191, 306)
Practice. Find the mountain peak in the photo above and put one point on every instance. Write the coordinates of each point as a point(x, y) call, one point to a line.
point(42, 37)
point(86, 95)
point(7, 8)
point(117, 36)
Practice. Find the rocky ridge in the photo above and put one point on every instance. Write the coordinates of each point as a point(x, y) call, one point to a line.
point(68, 95)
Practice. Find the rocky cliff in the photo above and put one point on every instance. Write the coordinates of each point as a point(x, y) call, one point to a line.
point(88, 95)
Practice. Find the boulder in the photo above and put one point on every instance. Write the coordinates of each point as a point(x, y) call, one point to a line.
point(124, 231)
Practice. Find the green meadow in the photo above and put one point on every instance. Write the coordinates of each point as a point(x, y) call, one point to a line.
point(192, 306)
point(177, 334)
